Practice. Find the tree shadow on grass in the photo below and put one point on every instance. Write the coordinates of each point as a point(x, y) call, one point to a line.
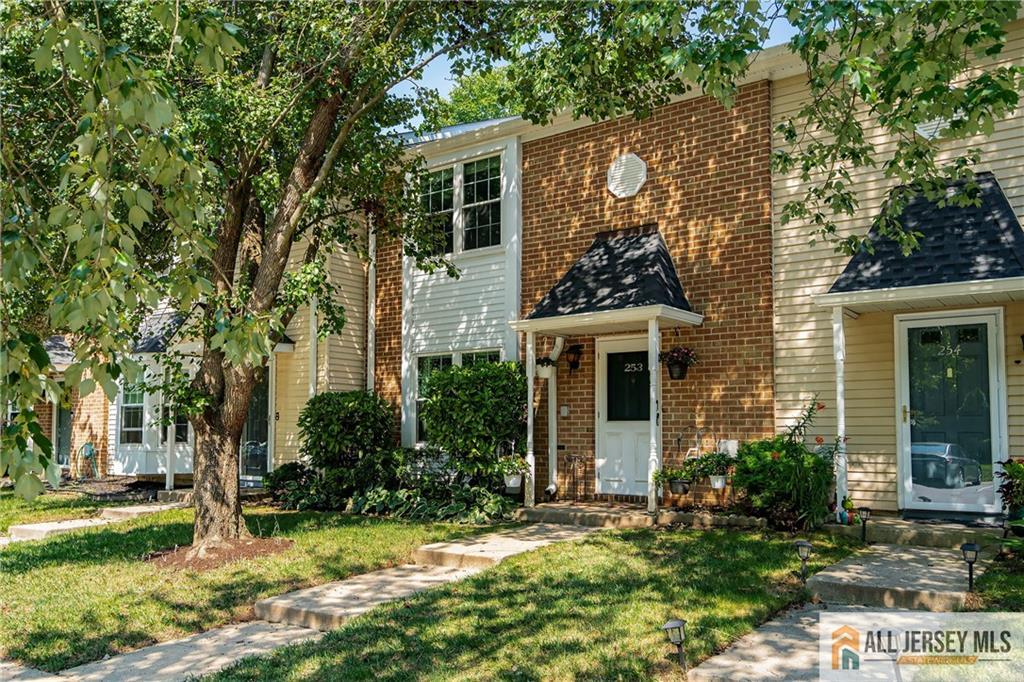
point(587, 610)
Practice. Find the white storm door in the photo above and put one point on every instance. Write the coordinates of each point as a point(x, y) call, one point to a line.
point(623, 416)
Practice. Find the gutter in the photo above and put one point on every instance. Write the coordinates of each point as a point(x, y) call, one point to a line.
point(371, 308)
point(556, 351)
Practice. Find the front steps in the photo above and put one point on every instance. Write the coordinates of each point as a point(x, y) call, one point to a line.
point(40, 531)
point(892, 531)
point(590, 514)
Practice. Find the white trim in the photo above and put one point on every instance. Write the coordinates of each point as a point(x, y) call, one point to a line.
point(994, 318)
point(1008, 285)
point(314, 360)
point(637, 317)
point(511, 238)
point(271, 410)
point(654, 443)
point(839, 355)
point(371, 307)
point(531, 473)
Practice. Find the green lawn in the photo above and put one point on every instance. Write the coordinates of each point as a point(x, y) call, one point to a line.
point(1002, 586)
point(588, 610)
point(75, 598)
point(51, 506)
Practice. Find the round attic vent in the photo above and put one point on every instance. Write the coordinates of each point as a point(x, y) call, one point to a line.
point(626, 175)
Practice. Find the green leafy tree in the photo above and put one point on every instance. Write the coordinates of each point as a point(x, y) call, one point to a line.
point(208, 156)
point(476, 96)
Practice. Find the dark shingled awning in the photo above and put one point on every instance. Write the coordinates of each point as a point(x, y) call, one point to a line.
point(622, 269)
point(959, 244)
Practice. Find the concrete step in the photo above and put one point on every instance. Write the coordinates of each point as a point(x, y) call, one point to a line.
point(184, 495)
point(326, 607)
point(136, 510)
point(493, 548)
point(594, 516)
point(889, 531)
point(184, 659)
point(38, 531)
point(896, 576)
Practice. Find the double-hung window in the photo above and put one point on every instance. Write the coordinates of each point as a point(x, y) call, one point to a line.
point(132, 402)
point(468, 197)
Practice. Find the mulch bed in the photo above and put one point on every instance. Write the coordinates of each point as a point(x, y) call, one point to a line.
point(235, 550)
point(113, 488)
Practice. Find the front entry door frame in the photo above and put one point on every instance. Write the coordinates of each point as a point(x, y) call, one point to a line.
point(603, 346)
point(993, 317)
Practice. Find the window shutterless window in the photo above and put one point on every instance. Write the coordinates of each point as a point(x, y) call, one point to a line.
point(480, 357)
point(425, 366)
point(132, 398)
point(468, 197)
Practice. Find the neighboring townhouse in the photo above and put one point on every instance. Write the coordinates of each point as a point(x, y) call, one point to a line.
point(918, 358)
point(301, 366)
point(599, 244)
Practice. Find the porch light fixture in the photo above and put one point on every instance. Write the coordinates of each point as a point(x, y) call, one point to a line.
point(865, 514)
point(676, 631)
point(803, 550)
point(572, 355)
point(970, 551)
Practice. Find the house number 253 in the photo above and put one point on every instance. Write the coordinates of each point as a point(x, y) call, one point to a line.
point(633, 367)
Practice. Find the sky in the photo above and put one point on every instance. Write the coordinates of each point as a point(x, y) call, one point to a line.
point(438, 74)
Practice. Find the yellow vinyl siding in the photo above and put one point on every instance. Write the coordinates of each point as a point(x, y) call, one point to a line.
point(341, 363)
point(804, 365)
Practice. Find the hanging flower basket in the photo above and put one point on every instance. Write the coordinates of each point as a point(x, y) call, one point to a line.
point(679, 486)
point(717, 482)
point(678, 360)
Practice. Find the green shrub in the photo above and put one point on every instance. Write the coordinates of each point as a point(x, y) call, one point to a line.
point(784, 481)
point(476, 414)
point(349, 437)
point(288, 483)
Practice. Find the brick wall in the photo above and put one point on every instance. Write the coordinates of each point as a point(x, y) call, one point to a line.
point(89, 425)
point(709, 191)
point(388, 358)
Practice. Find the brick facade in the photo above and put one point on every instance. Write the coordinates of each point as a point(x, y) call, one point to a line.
point(709, 191)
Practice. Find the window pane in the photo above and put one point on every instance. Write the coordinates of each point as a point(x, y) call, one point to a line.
point(131, 417)
point(437, 197)
point(628, 387)
point(482, 180)
point(132, 395)
point(483, 225)
point(480, 357)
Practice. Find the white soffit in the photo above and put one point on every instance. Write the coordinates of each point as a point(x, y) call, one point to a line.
point(626, 175)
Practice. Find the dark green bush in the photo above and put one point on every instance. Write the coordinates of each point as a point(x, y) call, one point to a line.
point(289, 483)
point(349, 437)
point(475, 414)
point(784, 481)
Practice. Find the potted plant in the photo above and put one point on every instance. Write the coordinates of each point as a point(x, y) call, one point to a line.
point(678, 360)
point(716, 466)
point(677, 478)
point(512, 468)
point(1011, 490)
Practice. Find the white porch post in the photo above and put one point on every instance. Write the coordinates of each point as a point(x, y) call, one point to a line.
point(530, 372)
point(170, 430)
point(654, 370)
point(839, 353)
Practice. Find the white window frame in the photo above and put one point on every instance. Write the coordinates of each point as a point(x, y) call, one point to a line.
point(458, 169)
point(121, 405)
point(164, 428)
point(456, 357)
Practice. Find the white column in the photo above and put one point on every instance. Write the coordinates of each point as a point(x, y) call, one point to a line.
point(654, 370)
point(553, 427)
point(839, 353)
point(530, 372)
point(171, 433)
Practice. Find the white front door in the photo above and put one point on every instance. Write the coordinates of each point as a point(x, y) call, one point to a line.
point(951, 409)
point(623, 416)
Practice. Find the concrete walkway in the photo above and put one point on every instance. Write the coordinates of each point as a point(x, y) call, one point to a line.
point(303, 615)
point(40, 531)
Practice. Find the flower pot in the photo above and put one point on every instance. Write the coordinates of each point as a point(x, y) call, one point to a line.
point(677, 370)
point(717, 482)
point(513, 482)
point(679, 486)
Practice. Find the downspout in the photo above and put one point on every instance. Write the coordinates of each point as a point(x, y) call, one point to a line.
point(313, 350)
point(371, 308)
point(556, 351)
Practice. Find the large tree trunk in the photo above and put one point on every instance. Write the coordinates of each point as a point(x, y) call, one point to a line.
point(215, 485)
